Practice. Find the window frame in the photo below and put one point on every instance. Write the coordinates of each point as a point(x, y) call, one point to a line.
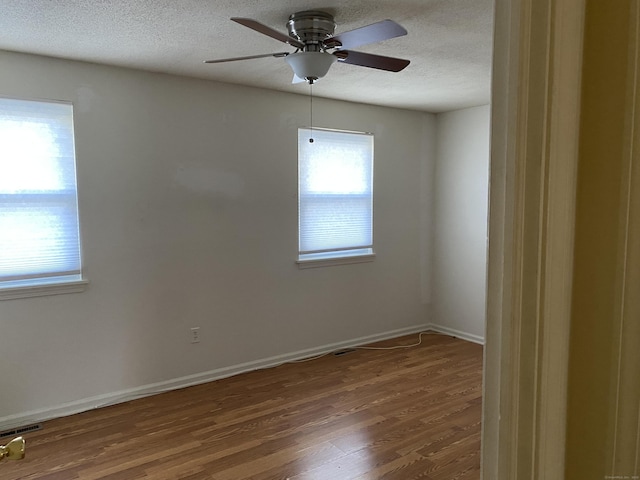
point(42, 285)
point(350, 255)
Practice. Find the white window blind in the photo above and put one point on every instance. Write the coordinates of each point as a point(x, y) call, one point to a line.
point(335, 194)
point(39, 234)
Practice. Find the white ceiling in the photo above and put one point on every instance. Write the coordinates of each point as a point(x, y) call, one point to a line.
point(449, 43)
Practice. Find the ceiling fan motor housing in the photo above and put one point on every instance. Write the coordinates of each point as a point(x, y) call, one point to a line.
point(311, 28)
point(311, 32)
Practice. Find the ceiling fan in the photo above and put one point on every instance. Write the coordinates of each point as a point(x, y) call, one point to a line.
point(317, 48)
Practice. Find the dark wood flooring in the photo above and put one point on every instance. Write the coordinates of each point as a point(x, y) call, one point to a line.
point(369, 414)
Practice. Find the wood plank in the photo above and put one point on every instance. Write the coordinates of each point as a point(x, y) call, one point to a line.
point(368, 414)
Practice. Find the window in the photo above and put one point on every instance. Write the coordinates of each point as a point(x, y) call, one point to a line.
point(335, 196)
point(39, 234)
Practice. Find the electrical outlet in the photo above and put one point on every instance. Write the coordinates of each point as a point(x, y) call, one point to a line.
point(195, 334)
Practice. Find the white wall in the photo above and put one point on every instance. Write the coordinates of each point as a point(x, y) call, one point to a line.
point(187, 194)
point(460, 228)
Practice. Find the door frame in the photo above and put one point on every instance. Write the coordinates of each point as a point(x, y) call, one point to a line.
point(534, 156)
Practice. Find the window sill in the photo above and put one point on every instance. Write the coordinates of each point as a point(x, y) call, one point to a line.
point(329, 262)
point(11, 293)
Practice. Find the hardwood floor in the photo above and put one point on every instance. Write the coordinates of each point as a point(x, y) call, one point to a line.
point(368, 414)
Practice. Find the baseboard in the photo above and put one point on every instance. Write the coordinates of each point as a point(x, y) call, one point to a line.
point(457, 333)
point(91, 403)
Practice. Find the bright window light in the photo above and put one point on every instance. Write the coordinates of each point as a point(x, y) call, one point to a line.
point(28, 157)
point(335, 194)
point(39, 231)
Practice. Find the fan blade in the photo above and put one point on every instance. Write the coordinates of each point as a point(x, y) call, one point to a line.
point(268, 31)
point(234, 59)
point(376, 32)
point(391, 64)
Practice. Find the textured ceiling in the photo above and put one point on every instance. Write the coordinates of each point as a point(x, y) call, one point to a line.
point(449, 43)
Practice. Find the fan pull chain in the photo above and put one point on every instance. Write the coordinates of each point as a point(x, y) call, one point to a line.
point(311, 111)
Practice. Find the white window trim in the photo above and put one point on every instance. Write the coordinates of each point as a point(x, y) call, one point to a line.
point(338, 259)
point(59, 285)
point(30, 291)
point(329, 262)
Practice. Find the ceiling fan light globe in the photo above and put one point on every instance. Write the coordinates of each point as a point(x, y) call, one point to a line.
point(310, 65)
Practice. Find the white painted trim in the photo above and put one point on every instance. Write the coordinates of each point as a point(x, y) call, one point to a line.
point(332, 262)
point(535, 124)
point(469, 337)
point(557, 236)
point(496, 419)
point(43, 290)
point(112, 398)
